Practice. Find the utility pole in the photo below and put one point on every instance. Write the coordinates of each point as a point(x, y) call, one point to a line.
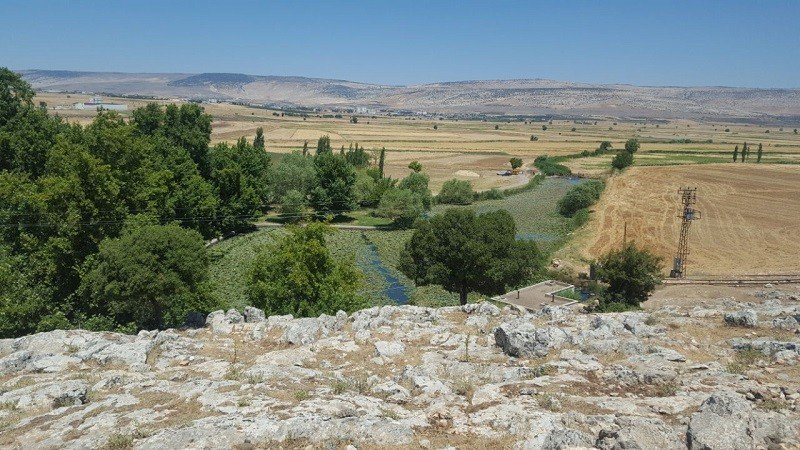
point(687, 216)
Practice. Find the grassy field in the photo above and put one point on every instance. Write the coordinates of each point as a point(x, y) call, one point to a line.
point(476, 146)
point(749, 224)
point(534, 212)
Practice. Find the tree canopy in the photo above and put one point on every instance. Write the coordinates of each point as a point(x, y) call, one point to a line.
point(465, 252)
point(631, 275)
point(297, 275)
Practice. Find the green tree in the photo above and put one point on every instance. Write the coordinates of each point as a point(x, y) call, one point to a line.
point(415, 166)
point(735, 153)
point(15, 95)
point(382, 161)
point(324, 145)
point(292, 205)
point(745, 152)
point(760, 153)
point(456, 192)
point(632, 146)
point(305, 148)
point(631, 275)
point(463, 252)
point(603, 148)
point(258, 142)
point(417, 182)
point(151, 276)
point(358, 157)
point(516, 163)
point(401, 205)
point(622, 160)
point(334, 189)
point(296, 274)
point(580, 197)
point(294, 172)
point(369, 189)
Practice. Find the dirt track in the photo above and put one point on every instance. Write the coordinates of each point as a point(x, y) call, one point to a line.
point(750, 216)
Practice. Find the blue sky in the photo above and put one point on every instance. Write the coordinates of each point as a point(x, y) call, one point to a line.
point(731, 43)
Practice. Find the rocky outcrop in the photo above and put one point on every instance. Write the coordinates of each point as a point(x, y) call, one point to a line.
point(405, 376)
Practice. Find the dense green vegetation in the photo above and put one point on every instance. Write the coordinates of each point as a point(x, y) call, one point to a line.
point(580, 197)
point(630, 275)
point(465, 252)
point(72, 197)
point(296, 274)
point(550, 166)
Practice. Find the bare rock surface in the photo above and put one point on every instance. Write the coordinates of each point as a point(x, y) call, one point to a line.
point(479, 376)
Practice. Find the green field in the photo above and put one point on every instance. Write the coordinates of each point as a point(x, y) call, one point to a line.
point(533, 210)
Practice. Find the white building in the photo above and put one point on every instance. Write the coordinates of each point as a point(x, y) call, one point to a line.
point(98, 104)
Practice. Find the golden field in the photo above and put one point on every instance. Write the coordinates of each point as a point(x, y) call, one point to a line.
point(750, 217)
point(471, 145)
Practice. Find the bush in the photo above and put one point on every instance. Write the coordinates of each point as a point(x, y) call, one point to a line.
point(402, 206)
point(580, 197)
point(573, 201)
point(456, 192)
point(631, 275)
point(631, 146)
point(152, 276)
point(549, 166)
point(622, 160)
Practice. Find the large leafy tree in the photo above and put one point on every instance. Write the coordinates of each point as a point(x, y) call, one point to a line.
point(186, 126)
point(298, 275)
point(465, 252)
point(631, 275)
point(151, 276)
point(294, 172)
point(403, 206)
point(334, 189)
point(417, 182)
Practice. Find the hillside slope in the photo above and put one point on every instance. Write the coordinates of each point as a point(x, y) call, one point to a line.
point(532, 96)
point(408, 377)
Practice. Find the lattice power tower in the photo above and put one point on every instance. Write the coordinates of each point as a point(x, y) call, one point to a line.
point(687, 216)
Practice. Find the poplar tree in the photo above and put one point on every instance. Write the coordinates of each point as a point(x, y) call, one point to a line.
point(735, 153)
point(381, 161)
point(759, 153)
point(258, 142)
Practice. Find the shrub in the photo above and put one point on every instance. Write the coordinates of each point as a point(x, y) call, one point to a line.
point(622, 160)
point(402, 206)
point(579, 197)
point(456, 192)
point(549, 166)
point(631, 275)
point(632, 146)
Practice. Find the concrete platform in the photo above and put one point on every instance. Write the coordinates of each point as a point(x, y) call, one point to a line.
point(536, 296)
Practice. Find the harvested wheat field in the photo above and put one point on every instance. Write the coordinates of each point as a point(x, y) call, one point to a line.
point(750, 217)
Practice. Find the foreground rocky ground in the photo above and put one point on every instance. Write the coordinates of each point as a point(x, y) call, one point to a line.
point(718, 374)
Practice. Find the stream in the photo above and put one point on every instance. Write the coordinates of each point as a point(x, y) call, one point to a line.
point(395, 290)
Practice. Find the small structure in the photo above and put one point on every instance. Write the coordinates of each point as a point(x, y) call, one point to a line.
point(98, 104)
point(688, 215)
point(536, 296)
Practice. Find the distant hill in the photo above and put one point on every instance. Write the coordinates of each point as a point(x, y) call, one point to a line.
point(533, 96)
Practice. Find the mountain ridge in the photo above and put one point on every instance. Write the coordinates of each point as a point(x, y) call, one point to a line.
point(532, 96)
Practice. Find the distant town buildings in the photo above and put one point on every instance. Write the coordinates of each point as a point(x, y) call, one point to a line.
point(98, 104)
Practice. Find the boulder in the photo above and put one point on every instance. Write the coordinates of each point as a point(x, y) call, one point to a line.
point(389, 349)
point(726, 421)
point(521, 338)
point(253, 314)
point(788, 323)
point(744, 318)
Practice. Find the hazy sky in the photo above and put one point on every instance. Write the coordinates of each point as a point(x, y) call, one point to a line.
point(731, 43)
